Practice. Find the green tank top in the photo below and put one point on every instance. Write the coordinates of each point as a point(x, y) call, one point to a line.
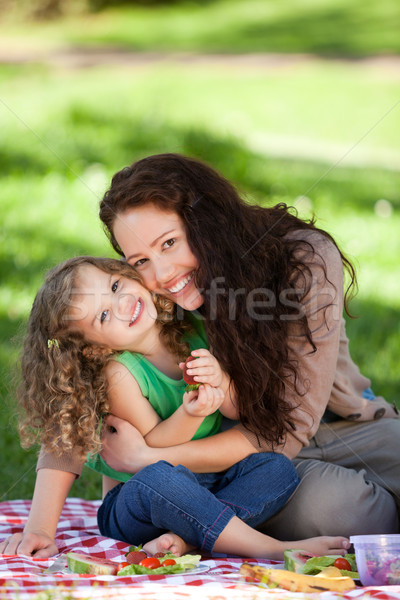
point(164, 394)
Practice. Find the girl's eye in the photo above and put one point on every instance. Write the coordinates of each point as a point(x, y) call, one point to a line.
point(103, 316)
point(169, 243)
point(114, 286)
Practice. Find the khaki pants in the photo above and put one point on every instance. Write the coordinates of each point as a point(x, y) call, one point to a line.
point(350, 483)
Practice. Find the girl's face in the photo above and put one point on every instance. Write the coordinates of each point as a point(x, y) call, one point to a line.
point(154, 242)
point(112, 311)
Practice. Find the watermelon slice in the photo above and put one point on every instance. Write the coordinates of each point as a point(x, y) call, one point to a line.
point(84, 564)
point(296, 559)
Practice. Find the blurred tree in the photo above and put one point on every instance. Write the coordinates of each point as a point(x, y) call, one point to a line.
point(41, 9)
point(48, 9)
point(100, 4)
point(97, 5)
point(52, 9)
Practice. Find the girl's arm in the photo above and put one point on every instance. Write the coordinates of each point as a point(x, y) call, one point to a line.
point(128, 403)
point(207, 455)
point(51, 490)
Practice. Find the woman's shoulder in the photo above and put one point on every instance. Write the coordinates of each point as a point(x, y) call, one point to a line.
point(315, 247)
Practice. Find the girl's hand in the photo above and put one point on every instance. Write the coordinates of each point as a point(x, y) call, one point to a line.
point(32, 543)
point(206, 369)
point(203, 402)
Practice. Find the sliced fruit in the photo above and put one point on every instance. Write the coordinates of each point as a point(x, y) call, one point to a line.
point(150, 562)
point(84, 564)
point(342, 564)
point(168, 562)
point(296, 559)
point(192, 385)
point(135, 556)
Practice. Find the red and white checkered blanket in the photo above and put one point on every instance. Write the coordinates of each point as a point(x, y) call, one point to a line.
point(22, 578)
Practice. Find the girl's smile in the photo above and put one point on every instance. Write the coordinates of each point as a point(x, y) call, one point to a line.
point(137, 312)
point(154, 242)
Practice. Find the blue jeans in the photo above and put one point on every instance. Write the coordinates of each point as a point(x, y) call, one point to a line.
point(196, 506)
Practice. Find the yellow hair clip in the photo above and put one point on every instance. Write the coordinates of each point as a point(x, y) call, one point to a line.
point(53, 342)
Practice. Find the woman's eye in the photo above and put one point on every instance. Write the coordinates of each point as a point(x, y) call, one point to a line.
point(103, 316)
point(169, 243)
point(114, 286)
point(140, 262)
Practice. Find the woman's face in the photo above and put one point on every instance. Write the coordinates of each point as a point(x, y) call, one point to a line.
point(154, 242)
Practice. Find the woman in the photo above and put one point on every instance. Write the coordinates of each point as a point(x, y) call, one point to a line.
point(270, 288)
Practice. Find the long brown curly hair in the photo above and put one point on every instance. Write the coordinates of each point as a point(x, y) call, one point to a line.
point(63, 391)
point(253, 250)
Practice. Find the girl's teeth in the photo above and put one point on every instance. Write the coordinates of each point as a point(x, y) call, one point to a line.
point(137, 311)
point(181, 285)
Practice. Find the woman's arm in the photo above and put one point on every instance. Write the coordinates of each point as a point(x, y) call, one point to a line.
point(108, 484)
point(51, 490)
point(207, 455)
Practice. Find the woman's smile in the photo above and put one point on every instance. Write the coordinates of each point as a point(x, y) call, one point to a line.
point(181, 284)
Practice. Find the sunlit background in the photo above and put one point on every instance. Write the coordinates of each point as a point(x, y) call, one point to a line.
point(295, 101)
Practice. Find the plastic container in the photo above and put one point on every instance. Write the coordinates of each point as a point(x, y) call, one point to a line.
point(377, 558)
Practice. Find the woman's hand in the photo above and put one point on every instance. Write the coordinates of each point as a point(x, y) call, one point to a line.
point(203, 402)
point(32, 543)
point(123, 446)
point(51, 489)
point(206, 369)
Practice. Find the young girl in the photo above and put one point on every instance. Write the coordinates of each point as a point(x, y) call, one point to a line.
point(99, 342)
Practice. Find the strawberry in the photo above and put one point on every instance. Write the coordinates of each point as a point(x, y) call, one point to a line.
point(159, 554)
point(135, 557)
point(191, 383)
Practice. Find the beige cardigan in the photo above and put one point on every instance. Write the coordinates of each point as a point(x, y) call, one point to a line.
point(329, 377)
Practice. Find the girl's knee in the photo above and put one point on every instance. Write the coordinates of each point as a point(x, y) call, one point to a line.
point(281, 466)
point(159, 471)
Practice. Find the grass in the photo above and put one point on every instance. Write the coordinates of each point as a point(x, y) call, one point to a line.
point(320, 135)
point(350, 28)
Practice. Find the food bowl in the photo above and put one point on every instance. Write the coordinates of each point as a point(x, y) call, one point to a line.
point(377, 558)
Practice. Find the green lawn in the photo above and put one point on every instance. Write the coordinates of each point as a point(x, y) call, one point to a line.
point(350, 28)
point(319, 135)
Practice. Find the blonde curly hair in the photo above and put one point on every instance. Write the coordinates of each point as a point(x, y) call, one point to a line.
point(63, 391)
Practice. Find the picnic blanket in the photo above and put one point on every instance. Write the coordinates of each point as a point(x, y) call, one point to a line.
point(22, 578)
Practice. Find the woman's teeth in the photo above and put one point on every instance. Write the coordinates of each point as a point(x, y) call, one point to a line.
point(137, 312)
point(179, 286)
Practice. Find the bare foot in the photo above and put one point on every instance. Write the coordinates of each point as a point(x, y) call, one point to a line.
point(324, 545)
point(168, 542)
